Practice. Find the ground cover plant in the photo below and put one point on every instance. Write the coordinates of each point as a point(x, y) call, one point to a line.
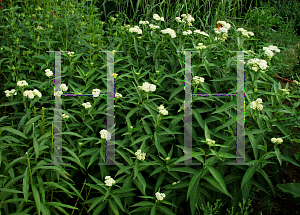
point(149, 107)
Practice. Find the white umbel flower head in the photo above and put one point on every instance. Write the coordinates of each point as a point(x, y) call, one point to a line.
point(143, 22)
point(277, 140)
point(153, 27)
point(109, 181)
point(58, 93)
point(285, 92)
point(274, 48)
point(188, 32)
point(200, 46)
point(10, 92)
point(169, 31)
point(135, 29)
point(257, 104)
point(48, 73)
point(96, 92)
point(148, 87)
point(201, 33)
point(245, 33)
point(198, 80)
point(140, 155)
point(160, 196)
point(64, 116)
point(71, 54)
point(37, 93)
point(162, 110)
point(22, 83)
point(105, 134)
point(158, 18)
point(210, 142)
point(29, 94)
point(63, 87)
point(118, 95)
point(87, 105)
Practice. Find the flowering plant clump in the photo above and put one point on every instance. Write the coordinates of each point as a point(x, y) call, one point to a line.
point(87, 105)
point(160, 196)
point(109, 181)
point(118, 95)
point(162, 110)
point(11, 92)
point(140, 155)
point(256, 105)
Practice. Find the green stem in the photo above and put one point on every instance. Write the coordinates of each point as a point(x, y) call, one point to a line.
point(78, 196)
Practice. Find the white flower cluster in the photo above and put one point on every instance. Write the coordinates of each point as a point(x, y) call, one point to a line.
point(71, 54)
point(285, 92)
point(113, 18)
point(140, 155)
point(96, 92)
point(200, 46)
point(257, 104)
point(162, 110)
point(169, 31)
point(158, 18)
point(39, 28)
point(245, 33)
point(223, 27)
point(118, 95)
point(153, 27)
point(268, 51)
point(176, 182)
point(64, 116)
point(186, 19)
point(87, 105)
point(198, 80)
point(10, 92)
point(210, 142)
point(148, 87)
point(31, 93)
point(143, 22)
point(63, 87)
point(105, 134)
point(277, 140)
point(48, 72)
point(109, 181)
point(222, 38)
point(256, 64)
point(22, 83)
point(201, 32)
point(135, 29)
point(188, 32)
point(160, 196)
